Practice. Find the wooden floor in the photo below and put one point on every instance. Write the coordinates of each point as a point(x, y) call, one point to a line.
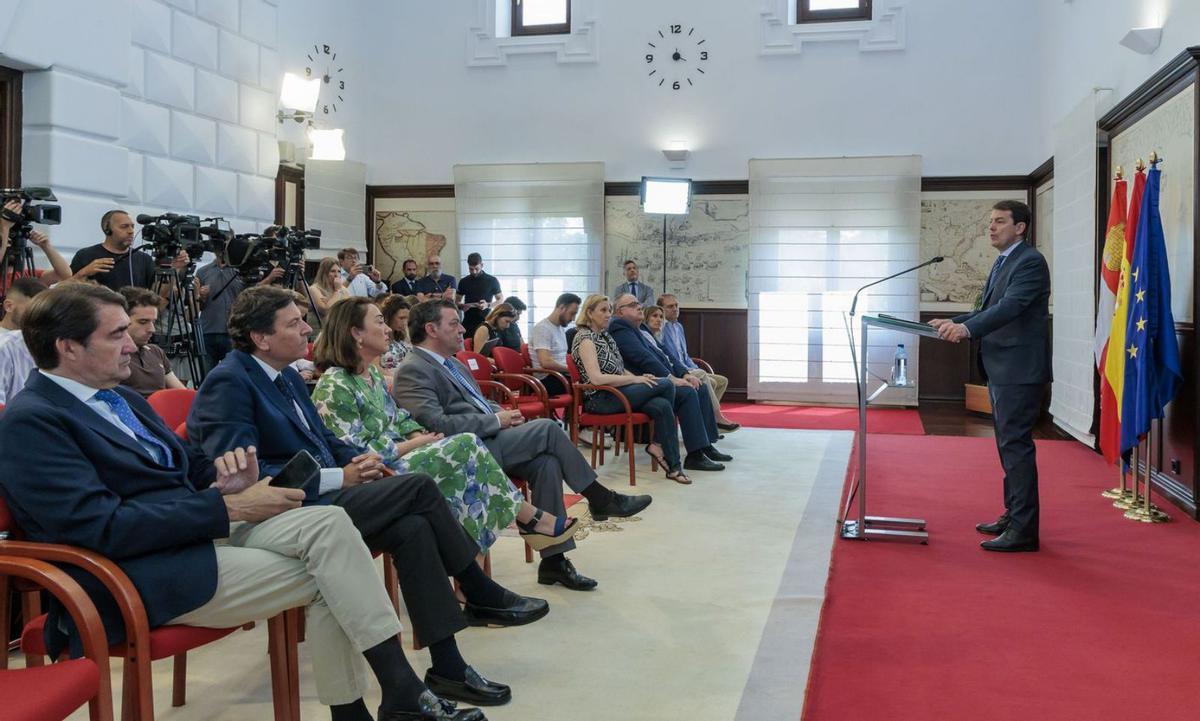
point(949, 418)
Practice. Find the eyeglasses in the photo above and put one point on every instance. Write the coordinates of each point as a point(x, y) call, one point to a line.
point(629, 305)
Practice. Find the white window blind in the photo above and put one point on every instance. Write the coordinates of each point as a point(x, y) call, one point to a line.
point(539, 228)
point(819, 229)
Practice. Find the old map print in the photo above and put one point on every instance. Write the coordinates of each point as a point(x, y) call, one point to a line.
point(708, 250)
point(954, 225)
point(416, 234)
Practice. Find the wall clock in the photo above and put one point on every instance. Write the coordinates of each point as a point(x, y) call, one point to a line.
point(323, 64)
point(676, 57)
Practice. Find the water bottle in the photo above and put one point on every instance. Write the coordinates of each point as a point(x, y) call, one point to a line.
point(900, 367)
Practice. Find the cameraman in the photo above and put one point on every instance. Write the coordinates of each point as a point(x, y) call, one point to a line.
point(220, 285)
point(112, 263)
point(60, 269)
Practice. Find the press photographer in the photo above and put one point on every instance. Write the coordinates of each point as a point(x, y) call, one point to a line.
point(22, 208)
point(221, 283)
point(112, 262)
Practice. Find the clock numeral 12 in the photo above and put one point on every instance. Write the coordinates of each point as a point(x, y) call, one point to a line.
point(676, 29)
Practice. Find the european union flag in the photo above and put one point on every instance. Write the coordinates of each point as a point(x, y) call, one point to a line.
point(1152, 365)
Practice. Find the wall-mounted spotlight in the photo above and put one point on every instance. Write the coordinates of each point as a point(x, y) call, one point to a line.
point(299, 98)
point(1143, 40)
point(327, 144)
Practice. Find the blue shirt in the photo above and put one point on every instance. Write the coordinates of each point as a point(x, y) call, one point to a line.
point(675, 342)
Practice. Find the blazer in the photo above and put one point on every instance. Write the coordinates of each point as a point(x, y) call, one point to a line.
point(645, 294)
point(238, 406)
point(427, 391)
point(70, 476)
point(1013, 323)
point(639, 354)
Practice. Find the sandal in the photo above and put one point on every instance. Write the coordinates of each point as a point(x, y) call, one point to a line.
point(679, 477)
point(564, 530)
point(659, 458)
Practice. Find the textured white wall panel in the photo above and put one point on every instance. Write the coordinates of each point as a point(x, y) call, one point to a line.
point(193, 138)
point(136, 175)
point(259, 22)
point(256, 109)
point(136, 84)
point(168, 183)
point(216, 96)
point(151, 24)
point(54, 97)
point(239, 57)
point(169, 81)
point(256, 196)
point(63, 160)
point(145, 126)
point(221, 12)
point(237, 148)
point(268, 155)
point(216, 192)
point(194, 40)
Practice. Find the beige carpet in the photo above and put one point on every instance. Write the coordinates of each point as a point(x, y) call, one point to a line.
point(706, 609)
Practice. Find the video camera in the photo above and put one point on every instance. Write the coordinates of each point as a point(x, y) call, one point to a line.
point(169, 233)
point(254, 254)
point(33, 210)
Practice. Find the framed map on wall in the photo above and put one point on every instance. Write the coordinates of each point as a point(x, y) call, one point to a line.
point(413, 228)
point(954, 224)
point(708, 250)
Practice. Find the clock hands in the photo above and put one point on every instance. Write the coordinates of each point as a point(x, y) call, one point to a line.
point(676, 56)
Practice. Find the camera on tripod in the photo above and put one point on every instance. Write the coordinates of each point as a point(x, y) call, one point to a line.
point(32, 211)
point(169, 233)
point(254, 255)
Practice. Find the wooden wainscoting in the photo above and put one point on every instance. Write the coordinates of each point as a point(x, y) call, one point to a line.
point(718, 335)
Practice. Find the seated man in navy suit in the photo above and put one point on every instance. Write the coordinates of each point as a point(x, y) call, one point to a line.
point(696, 419)
point(253, 397)
point(121, 484)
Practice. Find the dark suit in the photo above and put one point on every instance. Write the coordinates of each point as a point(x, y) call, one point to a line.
point(72, 477)
point(536, 451)
point(404, 515)
point(1012, 326)
point(697, 420)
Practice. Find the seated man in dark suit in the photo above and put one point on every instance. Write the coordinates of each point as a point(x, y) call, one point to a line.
point(253, 397)
point(442, 396)
point(641, 355)
point(121, 484)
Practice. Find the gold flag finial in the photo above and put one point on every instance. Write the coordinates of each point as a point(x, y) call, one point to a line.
point(1154, 159)
point(1141, 165)
point(1120, 173)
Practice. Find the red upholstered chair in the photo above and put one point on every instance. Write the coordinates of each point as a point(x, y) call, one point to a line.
point(512, 363)
point(598, 421)
point(703, 364)
point(52, 693)
point(172, 404)
point(143, 645)
point(523, 392)
point(469, 344)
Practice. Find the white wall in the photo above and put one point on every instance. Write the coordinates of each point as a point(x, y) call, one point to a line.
point(1078, 51)
point(147, 105)
point(426, 110)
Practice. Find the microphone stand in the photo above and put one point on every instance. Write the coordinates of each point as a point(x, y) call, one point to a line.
point(858, 384)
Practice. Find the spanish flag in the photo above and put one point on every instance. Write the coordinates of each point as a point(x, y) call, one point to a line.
point(1112, 365)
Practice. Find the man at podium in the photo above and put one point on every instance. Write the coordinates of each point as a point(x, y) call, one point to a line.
point(1012, 325)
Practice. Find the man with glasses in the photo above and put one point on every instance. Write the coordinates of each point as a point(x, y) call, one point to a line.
point(435, 284)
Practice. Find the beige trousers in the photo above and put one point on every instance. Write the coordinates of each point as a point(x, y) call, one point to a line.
point(310, 557)
point(716, 387)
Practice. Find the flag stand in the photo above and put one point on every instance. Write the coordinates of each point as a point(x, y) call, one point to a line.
point(1130, 498)
point(1147, 512)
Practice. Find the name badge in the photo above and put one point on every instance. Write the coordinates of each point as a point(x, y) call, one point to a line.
point(473, 364)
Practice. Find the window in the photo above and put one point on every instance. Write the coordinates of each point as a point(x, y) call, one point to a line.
point(538, 227)
point(823, 11)
point(541, 17)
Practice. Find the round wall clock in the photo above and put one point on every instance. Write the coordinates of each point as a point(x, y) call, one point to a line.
point(676, 56)
point(323, 64)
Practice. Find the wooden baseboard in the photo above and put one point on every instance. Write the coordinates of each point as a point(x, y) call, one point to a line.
point(977, 399)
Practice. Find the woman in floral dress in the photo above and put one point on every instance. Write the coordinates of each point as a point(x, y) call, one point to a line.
point(354, 403)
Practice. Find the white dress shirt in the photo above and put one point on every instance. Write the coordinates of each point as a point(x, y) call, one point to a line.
point(331, 478)
point(363, 287)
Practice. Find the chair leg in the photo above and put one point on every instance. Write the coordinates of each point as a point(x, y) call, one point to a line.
point(598, 440)
point(391, 581)
point(179, 679)
point(5, 609)
point(616, 443)
point(280, 650)
point(594, 449)
point(137, 690)
point(487, 565)
point(629, 453)
point(31, 608)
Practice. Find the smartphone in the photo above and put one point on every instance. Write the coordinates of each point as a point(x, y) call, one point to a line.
point(299, 472)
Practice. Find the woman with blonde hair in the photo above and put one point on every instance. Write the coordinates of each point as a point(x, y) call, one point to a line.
point(328, 286)
point(353, 401)
point(599, 361)
point(501, 317)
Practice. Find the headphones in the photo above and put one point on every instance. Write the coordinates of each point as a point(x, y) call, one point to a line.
point(106, 221)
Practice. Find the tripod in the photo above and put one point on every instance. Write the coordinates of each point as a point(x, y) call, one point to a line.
point(293, 276)
point(16, 263)
point(181, 308)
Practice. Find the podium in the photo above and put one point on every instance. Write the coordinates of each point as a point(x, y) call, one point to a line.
point(883, 527)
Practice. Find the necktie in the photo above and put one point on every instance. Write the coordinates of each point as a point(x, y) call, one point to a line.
point(121, 407)
point(323, 454)
point(468, 386)
point(633, 289)
point(994, 272)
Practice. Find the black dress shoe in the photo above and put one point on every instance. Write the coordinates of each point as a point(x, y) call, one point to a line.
point(619, 506)
point(995, 528)
point(698, 462)
point(474, 689)
point(731, 427)
point(432, 708)
point(561, 570)
point(1011, 542)
point(712, 454)
point(516, 611)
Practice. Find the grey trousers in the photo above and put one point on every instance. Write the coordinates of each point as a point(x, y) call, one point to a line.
point(540, 453)
point(314, 557)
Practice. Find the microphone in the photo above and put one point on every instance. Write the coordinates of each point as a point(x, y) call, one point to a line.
point(931, 261)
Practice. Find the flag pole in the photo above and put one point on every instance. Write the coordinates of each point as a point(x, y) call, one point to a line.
point(1132, 498)
point(1148, 512)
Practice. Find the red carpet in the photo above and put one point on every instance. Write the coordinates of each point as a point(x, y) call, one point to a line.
point(898, 421)
point(1101, 624)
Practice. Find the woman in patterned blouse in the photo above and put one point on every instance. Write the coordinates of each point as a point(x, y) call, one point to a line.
point(354, 403)
point(599, 361)
point(395, 315)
